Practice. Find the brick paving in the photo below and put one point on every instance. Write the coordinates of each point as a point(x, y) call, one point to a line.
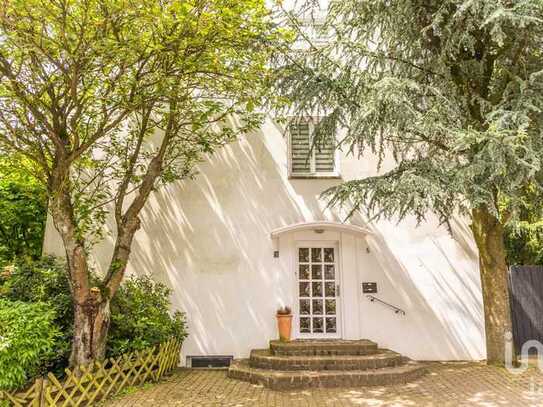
point(447, 384)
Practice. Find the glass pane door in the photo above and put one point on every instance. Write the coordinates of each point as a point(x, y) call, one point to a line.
point(317, 291)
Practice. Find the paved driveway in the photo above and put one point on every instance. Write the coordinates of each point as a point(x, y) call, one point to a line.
point(447, 384)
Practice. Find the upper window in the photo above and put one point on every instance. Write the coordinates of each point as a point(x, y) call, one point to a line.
point(308, 159)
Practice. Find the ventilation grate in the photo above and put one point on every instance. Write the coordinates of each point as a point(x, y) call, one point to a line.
point(209, 362)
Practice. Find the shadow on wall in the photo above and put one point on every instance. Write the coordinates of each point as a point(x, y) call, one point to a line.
point(438, 285)
point(208, 239)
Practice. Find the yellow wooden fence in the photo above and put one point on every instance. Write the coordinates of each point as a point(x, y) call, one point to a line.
point(89, 384)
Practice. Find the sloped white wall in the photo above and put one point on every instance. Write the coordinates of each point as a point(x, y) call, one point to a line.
point(209, 240)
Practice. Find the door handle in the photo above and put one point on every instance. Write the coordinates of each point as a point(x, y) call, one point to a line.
point(337, 290)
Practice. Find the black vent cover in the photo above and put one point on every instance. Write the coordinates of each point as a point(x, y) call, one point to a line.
point(207, 362)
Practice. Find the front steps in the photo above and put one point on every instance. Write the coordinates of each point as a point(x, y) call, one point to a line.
point(303, 364)
point(316, 347)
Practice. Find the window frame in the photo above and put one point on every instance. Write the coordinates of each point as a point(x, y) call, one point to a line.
point(313, 174)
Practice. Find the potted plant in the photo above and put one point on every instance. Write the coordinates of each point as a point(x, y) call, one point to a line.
point(284, 323)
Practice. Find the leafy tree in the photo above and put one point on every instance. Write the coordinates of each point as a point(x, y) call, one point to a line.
point(23, 204)
point(524, 234)
point(113, 98)
point(452, 89)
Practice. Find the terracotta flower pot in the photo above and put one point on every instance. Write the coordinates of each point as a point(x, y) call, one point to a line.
point(284, 325)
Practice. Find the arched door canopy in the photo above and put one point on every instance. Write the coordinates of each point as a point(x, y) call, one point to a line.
point(320, 225)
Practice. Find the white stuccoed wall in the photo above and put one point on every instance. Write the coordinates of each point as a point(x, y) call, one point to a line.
point(209, 240)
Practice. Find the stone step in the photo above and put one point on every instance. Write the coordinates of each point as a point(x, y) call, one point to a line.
point(322, 347)
point(302, 379)
point(265, 359)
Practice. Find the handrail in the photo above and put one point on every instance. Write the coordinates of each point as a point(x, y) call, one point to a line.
point(396, 309)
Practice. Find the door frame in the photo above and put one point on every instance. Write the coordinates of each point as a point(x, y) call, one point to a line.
point(336, 244)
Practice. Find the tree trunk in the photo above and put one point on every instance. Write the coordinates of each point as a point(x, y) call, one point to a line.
point(91, 311)
point(488, 234)
point(91, 324)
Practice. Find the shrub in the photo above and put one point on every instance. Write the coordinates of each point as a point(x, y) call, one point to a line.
point(23, 202)
point(140, 316)
point(28, 337)
point(44, 281)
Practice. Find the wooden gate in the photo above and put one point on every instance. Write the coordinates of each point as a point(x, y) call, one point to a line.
point(526, 292)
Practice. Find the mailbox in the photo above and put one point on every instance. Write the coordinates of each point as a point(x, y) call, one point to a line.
point(369, 288)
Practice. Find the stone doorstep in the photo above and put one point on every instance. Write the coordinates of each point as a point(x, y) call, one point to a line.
point(264, 359)
point(323, 347)
point(289, 380)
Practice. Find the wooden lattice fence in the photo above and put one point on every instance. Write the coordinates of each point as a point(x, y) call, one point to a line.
point(89, 384)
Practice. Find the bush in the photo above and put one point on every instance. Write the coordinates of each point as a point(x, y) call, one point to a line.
point(44, 281)
point(140, 316)
point(28, 337)
point(23, 202)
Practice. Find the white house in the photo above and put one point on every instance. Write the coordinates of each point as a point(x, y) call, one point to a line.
point(250, 234)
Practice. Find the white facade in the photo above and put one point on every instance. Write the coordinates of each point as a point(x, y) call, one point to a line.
point(212, 240)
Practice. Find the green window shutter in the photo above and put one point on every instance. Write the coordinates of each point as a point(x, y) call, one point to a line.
point(300, 148)
point(324, 156)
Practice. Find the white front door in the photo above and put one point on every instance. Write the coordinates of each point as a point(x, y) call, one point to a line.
point(318, 279)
